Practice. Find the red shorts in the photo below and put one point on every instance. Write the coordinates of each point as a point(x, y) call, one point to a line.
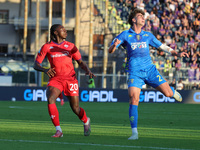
point(70, 87)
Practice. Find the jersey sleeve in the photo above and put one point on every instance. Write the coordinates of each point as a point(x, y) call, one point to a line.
point(76, 55)
point(120, 37)
point(41, 54)
point(154, 41)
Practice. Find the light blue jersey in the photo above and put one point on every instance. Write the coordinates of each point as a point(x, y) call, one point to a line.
point(139, 64)
point(137, 47)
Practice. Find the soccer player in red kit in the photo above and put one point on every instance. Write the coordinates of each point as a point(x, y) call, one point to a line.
point(62, 75)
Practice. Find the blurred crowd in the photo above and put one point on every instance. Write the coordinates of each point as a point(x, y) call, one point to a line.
point(175, 23)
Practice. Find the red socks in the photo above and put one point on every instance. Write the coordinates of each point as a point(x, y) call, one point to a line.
point(53, 112)
point(82, 115)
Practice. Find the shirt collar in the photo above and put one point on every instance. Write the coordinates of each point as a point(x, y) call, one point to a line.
point(131, 30)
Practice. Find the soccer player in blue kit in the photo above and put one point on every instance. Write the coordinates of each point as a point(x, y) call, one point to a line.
point(139, 64)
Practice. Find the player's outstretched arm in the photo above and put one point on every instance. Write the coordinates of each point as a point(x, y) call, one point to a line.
point(113, 47)
point(169, 50)
point(84, 66)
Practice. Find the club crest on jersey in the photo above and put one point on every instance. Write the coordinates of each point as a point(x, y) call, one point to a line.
point(66, 46)
point(138, 37)
point(138, 45)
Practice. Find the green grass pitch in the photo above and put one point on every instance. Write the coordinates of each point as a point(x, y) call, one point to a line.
point(27, 126)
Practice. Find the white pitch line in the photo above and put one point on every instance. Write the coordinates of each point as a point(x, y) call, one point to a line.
point(16, 107)
point(89, 144)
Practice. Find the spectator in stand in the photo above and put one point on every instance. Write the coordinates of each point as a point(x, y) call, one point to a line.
point(162, 32)
point(196, 24)
point(171, 19)
point(186, 38)
point(161, 66)
point(167, 68)
point(160, 12)
point(187, 8)
point(126, 25)
point(197, 37)
point(152, 16)
point(177, 22)
point(168, 40)
point(178, 72)
point(180, 85)
point(194, 68)
point(146, 14)
point(181, 14)
point(198, 9)
point(178, 42)
point(155, 11)
point(148, 26)
point(185, 46)
point(191, 42)
point(164, 18)
point(113, 14)
point(167, 8)
point(172, 6)
point(198, 87)
point(167, 24)
point(120, 7)
point(179, 32)
point(190, 31)
point(174, 61)
point(173, 44)
point(191, 16)
point(141, 5)
point(173, 84)
point(198, 57)
point(156, 23)
point(185, 31)
point(194, 58)
point(195, 86)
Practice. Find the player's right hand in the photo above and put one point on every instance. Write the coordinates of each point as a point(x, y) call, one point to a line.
point(50, 72)
point(117, 42)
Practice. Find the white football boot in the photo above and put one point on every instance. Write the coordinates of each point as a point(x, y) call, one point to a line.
point(134, 136)
point(177, 96)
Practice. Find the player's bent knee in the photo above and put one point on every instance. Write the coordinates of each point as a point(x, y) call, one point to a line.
point(134, 101)
point(169, 94)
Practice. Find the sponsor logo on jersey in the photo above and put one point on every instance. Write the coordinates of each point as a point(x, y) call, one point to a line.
point(145, 35)
point(60, 55)
point(130, 36)
point(138, 45)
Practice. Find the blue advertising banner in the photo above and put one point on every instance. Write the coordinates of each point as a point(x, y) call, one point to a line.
point(97, 95)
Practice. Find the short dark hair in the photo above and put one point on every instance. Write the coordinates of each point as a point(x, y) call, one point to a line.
point(133, 14)
point(52, 30)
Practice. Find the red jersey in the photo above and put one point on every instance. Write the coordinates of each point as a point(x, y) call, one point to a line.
point(60, 57)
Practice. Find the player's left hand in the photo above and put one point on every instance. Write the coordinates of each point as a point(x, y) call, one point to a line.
point(183, 54)
point(90, 74)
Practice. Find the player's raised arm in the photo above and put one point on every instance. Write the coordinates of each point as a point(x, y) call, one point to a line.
point(112, 48)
